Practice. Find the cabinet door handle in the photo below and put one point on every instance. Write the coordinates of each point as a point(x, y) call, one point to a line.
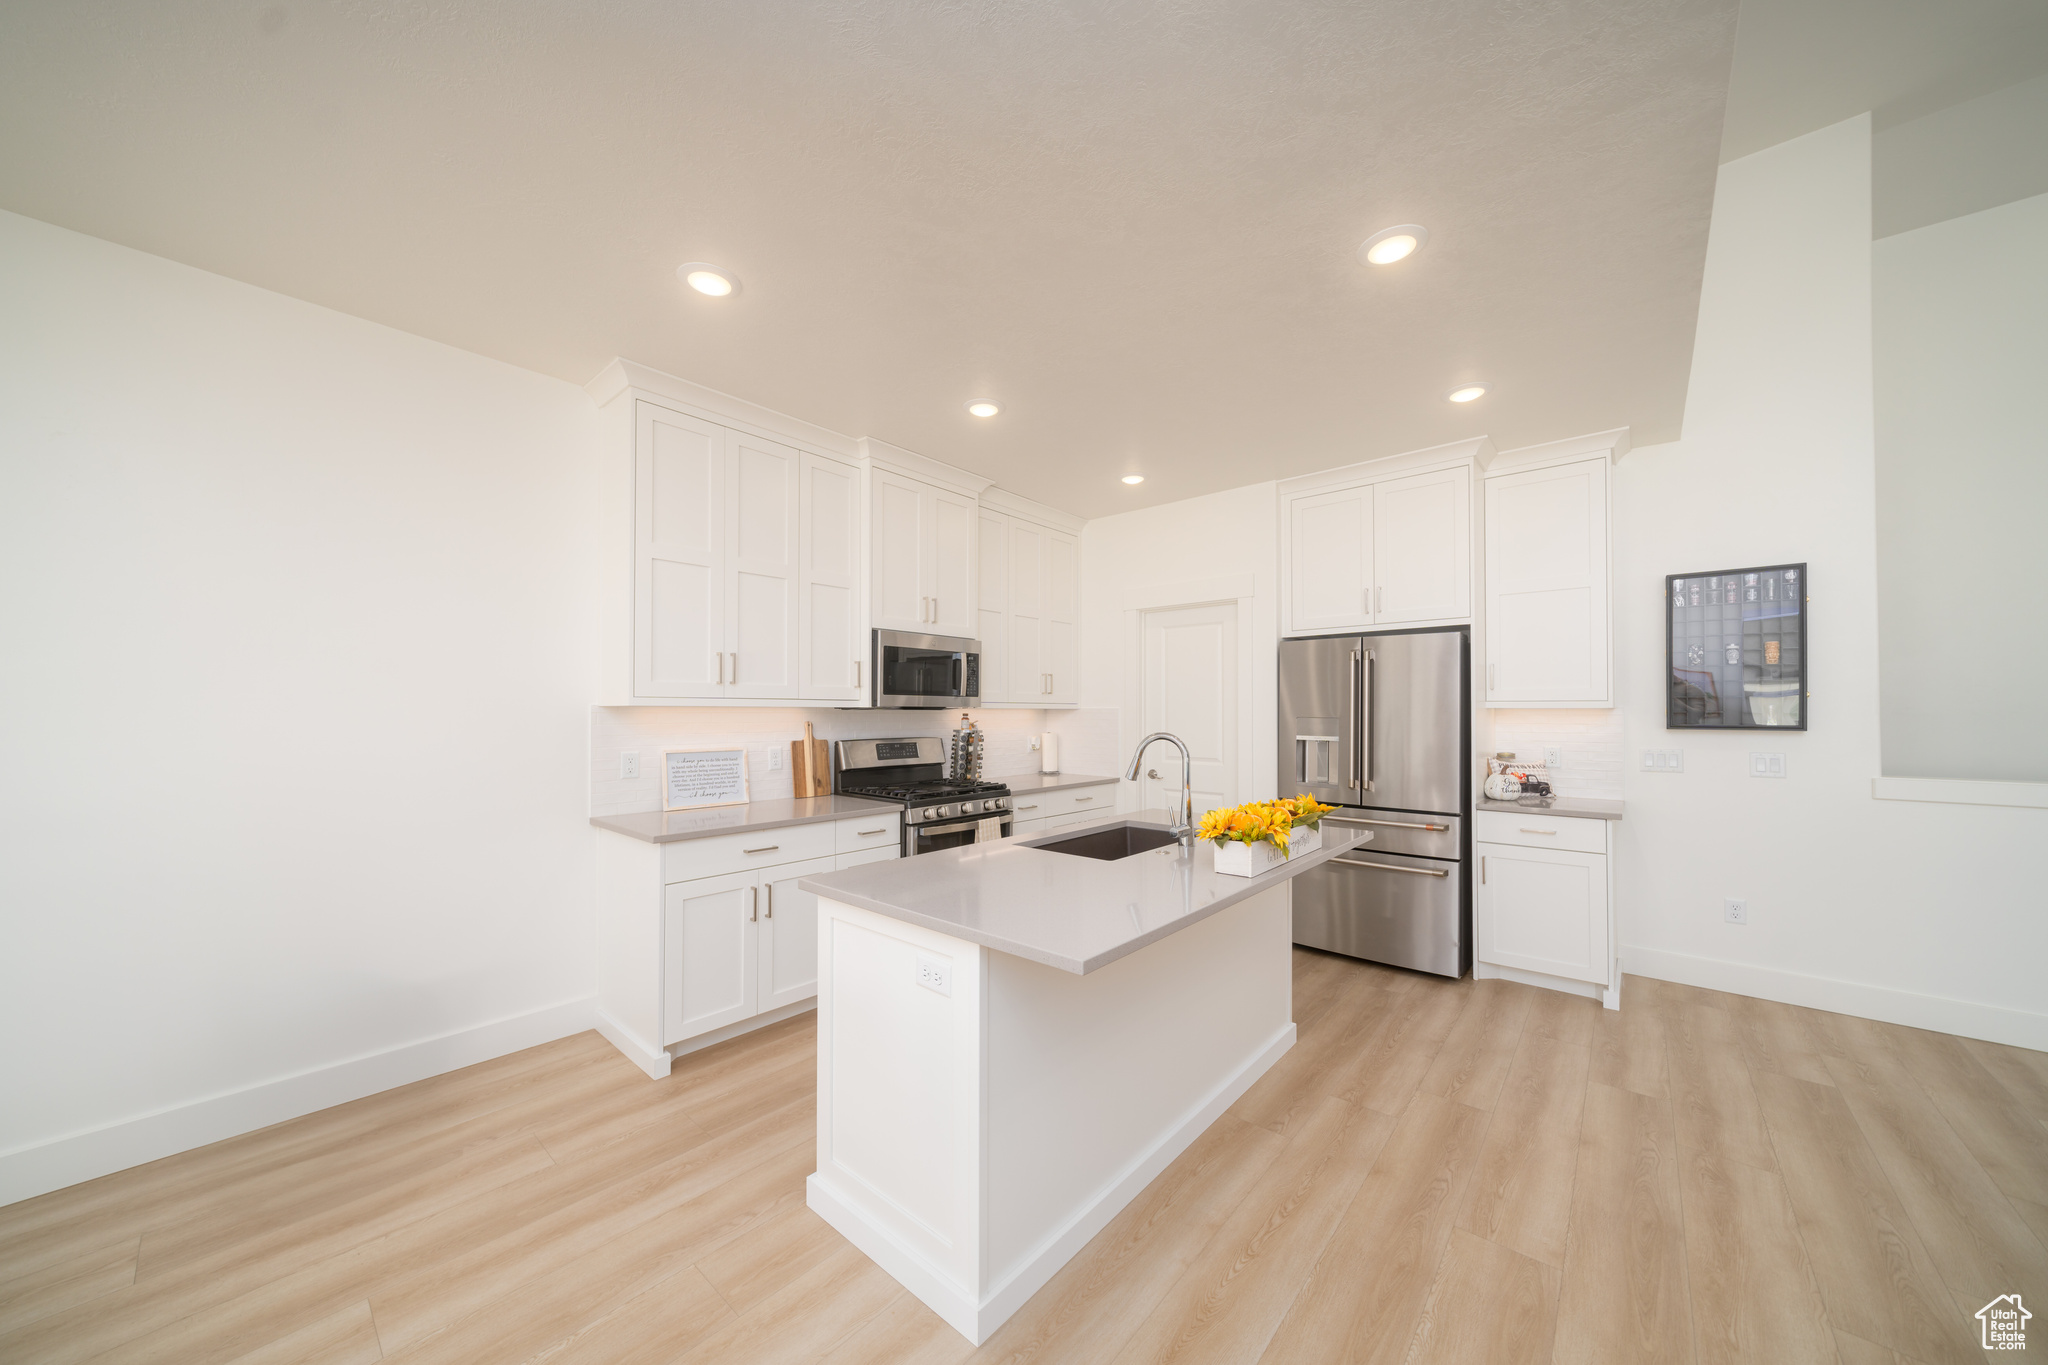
point(1389, 867)
point(770, 913)
point(1379, 601)
point(1482, 867)
point(721, 670)
point(770, 849)
point(753, 903)
point(935, 611)
point(856, 672)
point(1492, 676)
point(1027, 808)
point(1550, 832)
point(864, 833)
point(1079, 799)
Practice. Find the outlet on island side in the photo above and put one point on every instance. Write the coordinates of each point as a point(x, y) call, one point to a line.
point(1735, 911)
point(935, 974)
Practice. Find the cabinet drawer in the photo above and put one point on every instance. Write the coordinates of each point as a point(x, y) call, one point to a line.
point(880, 830)
point(1051, 804)
point(1540, 830)
point(691, 858)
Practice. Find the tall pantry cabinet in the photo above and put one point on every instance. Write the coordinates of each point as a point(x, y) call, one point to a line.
point(1028, 618)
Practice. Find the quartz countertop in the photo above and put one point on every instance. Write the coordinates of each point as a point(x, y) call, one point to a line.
point(667, 827)
point(1069, 912)
point(1572, 807)
point(1025, 783)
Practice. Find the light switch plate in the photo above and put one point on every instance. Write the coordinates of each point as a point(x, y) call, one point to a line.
point(629, 765)
point(1766, 765)
point(1663, 760)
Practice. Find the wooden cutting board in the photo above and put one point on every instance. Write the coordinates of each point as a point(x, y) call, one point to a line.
point(810, 765)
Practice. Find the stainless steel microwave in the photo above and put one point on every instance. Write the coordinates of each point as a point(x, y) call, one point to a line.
point(925, 672)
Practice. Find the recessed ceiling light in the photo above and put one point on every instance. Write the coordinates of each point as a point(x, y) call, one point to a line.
point(706, 278)
point(1134, 478)
point(1389, 245)
point(1465, 393)
point(983, 409)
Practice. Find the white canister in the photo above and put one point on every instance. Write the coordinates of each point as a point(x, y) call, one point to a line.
point(1048, 752)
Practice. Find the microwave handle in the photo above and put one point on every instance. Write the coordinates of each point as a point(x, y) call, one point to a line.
point(959, 675)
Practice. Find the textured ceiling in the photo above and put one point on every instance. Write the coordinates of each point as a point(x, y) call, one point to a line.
point(1132, 224)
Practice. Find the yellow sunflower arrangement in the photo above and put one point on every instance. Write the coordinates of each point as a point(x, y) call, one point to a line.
point(1271, 822)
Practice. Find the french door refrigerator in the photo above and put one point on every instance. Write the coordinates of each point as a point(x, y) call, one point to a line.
point(1381, 726)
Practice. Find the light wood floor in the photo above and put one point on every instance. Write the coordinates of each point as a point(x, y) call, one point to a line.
point(1437, 1172)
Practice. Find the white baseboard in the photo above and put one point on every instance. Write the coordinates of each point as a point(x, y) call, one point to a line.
point(1943, 1014)
point(1483, 971)
point(719, 1035)
point(637, 1050)
point(978, 1321)
point(52, 1165)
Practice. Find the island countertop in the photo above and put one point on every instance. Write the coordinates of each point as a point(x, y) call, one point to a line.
point(1076, 914)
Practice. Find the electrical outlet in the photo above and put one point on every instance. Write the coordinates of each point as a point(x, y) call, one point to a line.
point(1766, 765)
point(1735, 911)
point(935, 974)
point(1034, 746)
point(629, 765)
point(1553, 759)
point(775, 759)
point(1663, 760)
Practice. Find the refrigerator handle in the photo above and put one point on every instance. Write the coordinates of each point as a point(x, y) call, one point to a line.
point(1365, 724)
point(1351, 759)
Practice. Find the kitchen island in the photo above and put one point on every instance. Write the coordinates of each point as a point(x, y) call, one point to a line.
point(1013, 1041)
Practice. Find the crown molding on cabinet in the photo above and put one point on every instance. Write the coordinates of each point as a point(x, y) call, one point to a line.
point(996, 500)
point(1613, 444)
point(1479, 450)
point(713, 406)
point(909, 463)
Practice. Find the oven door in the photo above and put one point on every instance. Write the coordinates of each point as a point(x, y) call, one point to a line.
point(952, 834)
point(930, 672)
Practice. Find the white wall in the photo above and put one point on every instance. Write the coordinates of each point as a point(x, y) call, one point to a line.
point(294, 706)
point(1921, 913)
point(1198, 550)
point(1960, 320)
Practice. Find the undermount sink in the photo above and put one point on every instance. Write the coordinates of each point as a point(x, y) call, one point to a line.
point(1109, 843)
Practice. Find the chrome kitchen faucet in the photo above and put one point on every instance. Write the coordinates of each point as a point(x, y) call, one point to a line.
point(1185, 830)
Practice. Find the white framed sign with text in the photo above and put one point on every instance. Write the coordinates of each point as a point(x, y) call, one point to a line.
point(703, 777)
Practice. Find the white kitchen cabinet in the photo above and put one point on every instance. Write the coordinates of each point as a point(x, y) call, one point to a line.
point(1422, 548)
point(746, 566)
point(835, 653)
point(1377, 550)
point(703, 939)
point(1029, 619)
point(1062, 638)
point(992, 594)
point(923, 538)
point(1548, 628)
point(1544, 903)
point(1026, 680)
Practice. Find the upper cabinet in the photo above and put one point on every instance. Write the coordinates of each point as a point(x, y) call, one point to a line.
point(1548, 631)
point(924, 537)
point(835, 633)
point(1385, 544)
point(1029, 599)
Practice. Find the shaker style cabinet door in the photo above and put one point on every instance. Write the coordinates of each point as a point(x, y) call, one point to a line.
point(788, 965)
point(992, 591)
point(1546, 587)
point(1062, 620)
point(763, 630)
point(1543, 910)
point(680, 597)
point(1422, 548)
point(709, 945)
point(952, 563)
point(1329, 560)
point(901, 535)
point(1026, 680)
point(835, 654)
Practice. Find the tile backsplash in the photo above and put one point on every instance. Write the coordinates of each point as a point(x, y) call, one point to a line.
point(1594, 747)
point(1088, 740)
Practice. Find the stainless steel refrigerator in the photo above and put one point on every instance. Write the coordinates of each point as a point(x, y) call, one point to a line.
point(1381, 725)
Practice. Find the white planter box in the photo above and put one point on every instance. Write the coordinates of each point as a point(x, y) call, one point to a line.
point(1234, 859)
point(1305, 841)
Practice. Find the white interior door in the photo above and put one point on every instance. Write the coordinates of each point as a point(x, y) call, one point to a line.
point(789, 936)
point(1422, 548)
point(709, 940)
point(679, 531)
point(992, 590)
point(1190, 689)
point(835, 638)
point(762, 607)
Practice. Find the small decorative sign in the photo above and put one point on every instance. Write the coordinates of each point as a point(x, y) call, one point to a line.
point(703, 777)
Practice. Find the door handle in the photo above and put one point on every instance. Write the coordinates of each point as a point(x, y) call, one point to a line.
point(1364, 723)
point(721, 669)
point(1492, 676)
point(1482, 869)
point(1379, 601)
point(1351, 709)
point(856, 672)
point(1392, 824)
point(1080, 799)
point(1550, 832)
point(771, 902)
point(1389, 867)
point(770, 849)
point(753, 903)
point(1152, 773)
point(863, 833)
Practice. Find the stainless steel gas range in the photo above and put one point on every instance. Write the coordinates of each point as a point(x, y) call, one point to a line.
point(938, 811)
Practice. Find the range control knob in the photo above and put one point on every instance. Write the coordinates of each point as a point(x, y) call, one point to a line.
point(1000, 803)
point(930, 813)
point(969, 807)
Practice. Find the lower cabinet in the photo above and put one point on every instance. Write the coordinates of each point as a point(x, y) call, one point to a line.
point(1545, 907)
point(738, 946)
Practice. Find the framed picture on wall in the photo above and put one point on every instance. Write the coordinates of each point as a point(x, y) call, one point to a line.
point(1735, 649)
point(691, 778)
